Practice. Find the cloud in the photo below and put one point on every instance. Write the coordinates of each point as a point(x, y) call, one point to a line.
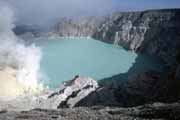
point(14, 54)
point(47, 11)
point(44, 11)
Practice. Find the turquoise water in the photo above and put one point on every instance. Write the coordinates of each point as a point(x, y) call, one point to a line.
point(65, 58)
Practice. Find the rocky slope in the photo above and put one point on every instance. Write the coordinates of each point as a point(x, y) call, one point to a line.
point(66, 96)
point(84, 26)
point(86, 92)
point(156, 32)
point(156, 111)
point(139, 89)
point(55, 106)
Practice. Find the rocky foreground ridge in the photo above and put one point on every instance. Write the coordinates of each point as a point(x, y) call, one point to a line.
point(66, 104)
point(156, 111)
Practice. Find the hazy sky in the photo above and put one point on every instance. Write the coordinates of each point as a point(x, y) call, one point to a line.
point(46, 11)
point(127, 5)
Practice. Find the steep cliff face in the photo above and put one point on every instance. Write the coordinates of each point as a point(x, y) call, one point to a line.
point(80, 27)
point(156, 32)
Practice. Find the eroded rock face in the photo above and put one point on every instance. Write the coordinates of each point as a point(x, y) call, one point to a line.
point(80, 27)
point(70, 93)
point(155, 32)
point(178, 72)
point(139, 89)
point(67, 95)
point(86, 92)
point(150, 87)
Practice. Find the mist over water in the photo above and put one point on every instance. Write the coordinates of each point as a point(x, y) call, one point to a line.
point(14, 55)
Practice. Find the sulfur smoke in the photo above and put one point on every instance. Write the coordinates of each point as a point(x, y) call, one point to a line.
point(24, 60)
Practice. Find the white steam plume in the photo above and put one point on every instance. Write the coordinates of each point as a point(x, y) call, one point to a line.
point(14, 54)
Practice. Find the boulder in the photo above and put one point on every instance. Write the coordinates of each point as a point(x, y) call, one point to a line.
point(70, 93)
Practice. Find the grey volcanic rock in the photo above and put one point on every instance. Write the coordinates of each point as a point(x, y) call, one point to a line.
point(79, 27)
point(178, 72)
point(149, 87)
point(139, 89)
point(70, 93)
point(101, 97)
point(155, 32)
point(157, 111)
point(67, 95)
point(86, 92)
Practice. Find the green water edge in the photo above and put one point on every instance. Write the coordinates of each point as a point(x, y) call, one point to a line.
point(64, 58)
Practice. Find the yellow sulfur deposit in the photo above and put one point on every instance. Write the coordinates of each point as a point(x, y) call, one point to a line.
point(9, 86)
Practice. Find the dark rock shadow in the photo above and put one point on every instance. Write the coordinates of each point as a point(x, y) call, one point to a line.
point(131, 88)
point(142, 64)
